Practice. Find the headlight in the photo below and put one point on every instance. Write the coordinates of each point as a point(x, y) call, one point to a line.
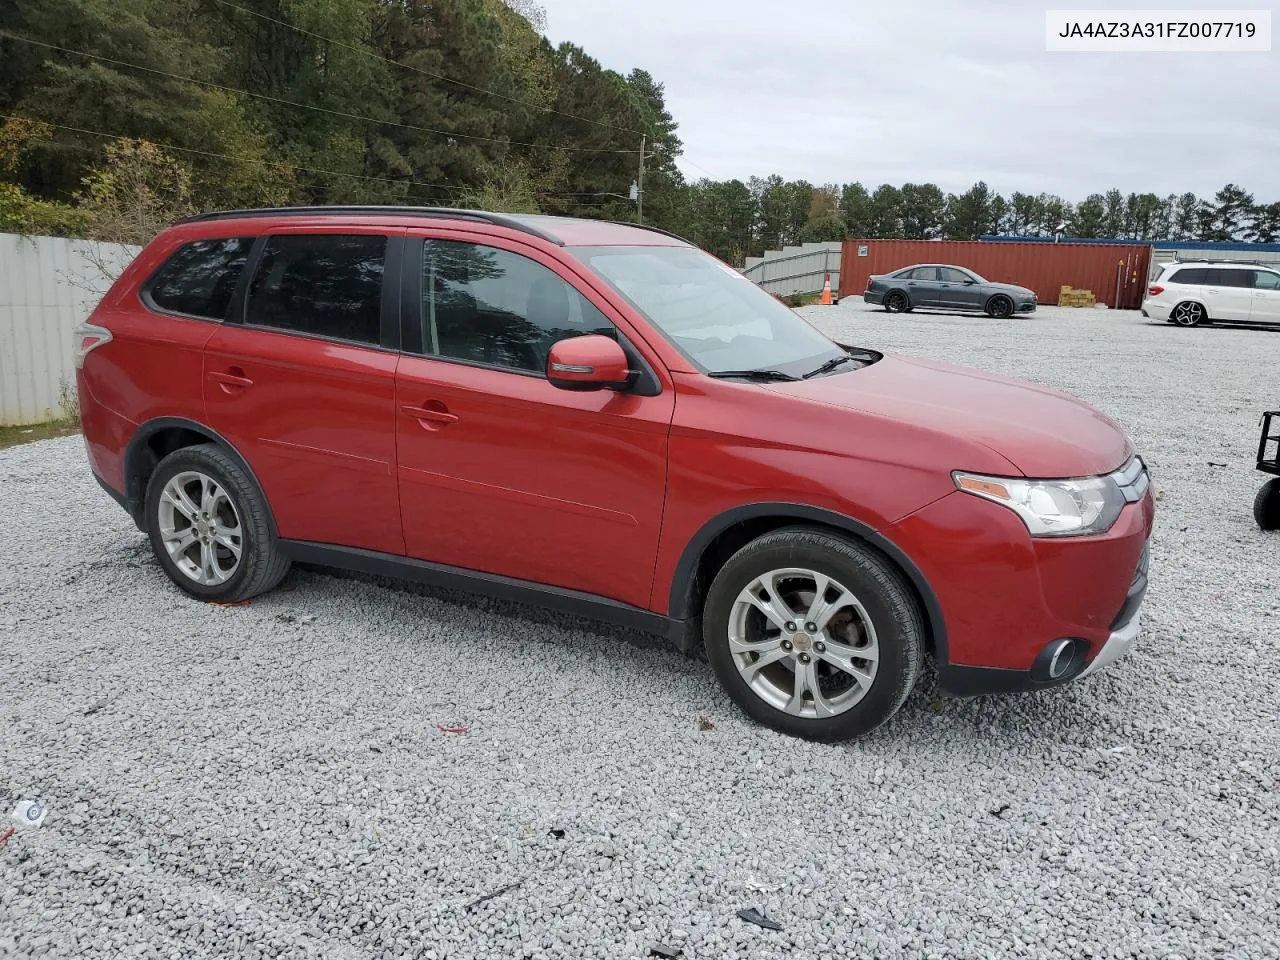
point(1052, 508)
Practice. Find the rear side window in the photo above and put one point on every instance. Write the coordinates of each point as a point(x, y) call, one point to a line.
point(1189, 275)
point(1226, 277)
point(923, 273)
point(325, 285)
point(200, 278)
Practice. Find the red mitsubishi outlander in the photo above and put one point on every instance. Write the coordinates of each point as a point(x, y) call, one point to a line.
point(604, 419)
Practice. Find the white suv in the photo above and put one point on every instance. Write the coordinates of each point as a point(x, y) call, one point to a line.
point(1193, 292)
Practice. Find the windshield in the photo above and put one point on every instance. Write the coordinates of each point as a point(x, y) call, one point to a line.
point(717, 317)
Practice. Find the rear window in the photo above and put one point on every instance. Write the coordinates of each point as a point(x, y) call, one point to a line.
point(200, 278)
point(326, 285)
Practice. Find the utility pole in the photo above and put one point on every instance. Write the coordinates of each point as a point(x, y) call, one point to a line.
point(640, 185)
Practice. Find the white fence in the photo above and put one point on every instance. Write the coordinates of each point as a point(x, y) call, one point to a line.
point(47, 286)
point(799, 269)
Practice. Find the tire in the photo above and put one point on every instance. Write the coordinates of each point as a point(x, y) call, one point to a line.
point(897, 302)
point(1266, 505)
point(207, 567)
point(869, 610)
point(1000, 308)
point(1188, 314)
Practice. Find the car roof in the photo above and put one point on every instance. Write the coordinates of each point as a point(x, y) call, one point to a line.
point(562, 231)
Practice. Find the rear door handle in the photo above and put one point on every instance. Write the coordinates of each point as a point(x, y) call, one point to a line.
point(230, 382)
point(425, 415)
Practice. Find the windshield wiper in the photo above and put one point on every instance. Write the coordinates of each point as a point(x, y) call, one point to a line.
point(763, 373)
point(829, 365)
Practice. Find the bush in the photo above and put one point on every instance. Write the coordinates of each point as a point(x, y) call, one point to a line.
point(22, 213)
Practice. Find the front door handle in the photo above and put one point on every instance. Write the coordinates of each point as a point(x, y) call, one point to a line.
point(429, 415)
point(232, 380)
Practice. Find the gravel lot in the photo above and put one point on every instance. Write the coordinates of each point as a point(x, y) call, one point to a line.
point(269, 780)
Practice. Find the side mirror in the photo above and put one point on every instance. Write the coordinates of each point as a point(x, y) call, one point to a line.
point(970, 282)
point(591, 362)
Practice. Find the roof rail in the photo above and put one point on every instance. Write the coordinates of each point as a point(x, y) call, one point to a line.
point(645, 226)
point(497, 219)
point(1273, 264)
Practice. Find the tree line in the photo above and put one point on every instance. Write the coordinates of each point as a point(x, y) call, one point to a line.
point(735, 219)
point(119, 115)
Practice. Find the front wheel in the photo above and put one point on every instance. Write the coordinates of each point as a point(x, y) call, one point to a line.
point(896, 302)
point(813, 634)
point(208, 526)
point(1000, 307)
point(1266, 505)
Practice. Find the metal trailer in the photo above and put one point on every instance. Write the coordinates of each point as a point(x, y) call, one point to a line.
point(1266, 505)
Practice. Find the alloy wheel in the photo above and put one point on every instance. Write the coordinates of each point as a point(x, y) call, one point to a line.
point(200, 528)
point(1188, 314)
point(803, 643)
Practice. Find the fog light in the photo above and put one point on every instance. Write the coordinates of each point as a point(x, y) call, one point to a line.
point(1058, 660)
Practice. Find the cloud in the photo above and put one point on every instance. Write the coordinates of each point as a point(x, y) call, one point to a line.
point(936, 91)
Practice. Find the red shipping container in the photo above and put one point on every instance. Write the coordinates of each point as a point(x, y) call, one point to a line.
point(1116, 273)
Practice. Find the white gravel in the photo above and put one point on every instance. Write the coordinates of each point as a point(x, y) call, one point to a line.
point(269, 780)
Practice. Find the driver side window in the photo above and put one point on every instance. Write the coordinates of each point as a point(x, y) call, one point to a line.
point(952, 275)
point(490, 306)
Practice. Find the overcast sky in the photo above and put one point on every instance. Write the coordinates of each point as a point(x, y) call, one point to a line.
point(941, 91)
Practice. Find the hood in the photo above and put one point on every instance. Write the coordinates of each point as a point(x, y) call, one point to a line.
point(1010, 287)
point(1043, 432)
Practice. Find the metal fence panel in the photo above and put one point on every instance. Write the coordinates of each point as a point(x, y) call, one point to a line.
point(801, 269)
point(47, 286)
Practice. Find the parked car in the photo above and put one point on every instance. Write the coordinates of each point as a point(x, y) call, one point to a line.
point(949, 287)
point(1190, 293)
point(602, 418)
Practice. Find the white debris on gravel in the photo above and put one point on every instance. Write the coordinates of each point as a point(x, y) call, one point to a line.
point(250, 782)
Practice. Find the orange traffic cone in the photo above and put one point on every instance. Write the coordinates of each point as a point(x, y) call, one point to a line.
point(825, 299)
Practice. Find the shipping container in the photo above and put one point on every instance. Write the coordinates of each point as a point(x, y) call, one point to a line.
point(1116, 274)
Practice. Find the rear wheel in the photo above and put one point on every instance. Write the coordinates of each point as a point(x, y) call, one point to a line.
point(1188, 314)
point(208, 526)
point(999, 307)
point(813, 634)
point(896, 302)
point(1266, 505)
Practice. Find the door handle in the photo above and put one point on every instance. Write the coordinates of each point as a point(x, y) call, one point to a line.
point(425, 415)
point(232, 380)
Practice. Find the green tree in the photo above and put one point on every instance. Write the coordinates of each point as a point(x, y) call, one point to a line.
point(855, 210)
point(1264, 224)
point(885, 214)
point(922, 209)
point(1090, 217)
point(823, 221)
point(969, 215)
point(1225, 217)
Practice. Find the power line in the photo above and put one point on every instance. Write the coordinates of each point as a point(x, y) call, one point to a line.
point(426, 73)
point(225, 156)
point(305, 106)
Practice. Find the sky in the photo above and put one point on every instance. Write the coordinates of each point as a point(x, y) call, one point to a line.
point(939, 91)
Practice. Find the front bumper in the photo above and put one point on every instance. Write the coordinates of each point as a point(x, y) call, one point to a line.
point(1118, 644)
point(1027, 306)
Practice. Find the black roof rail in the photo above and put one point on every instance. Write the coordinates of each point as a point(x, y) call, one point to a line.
point(497, 219)
point(1244, 263)
point(645, 226)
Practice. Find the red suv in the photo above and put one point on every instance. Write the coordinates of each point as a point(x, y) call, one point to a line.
point(604, 419)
